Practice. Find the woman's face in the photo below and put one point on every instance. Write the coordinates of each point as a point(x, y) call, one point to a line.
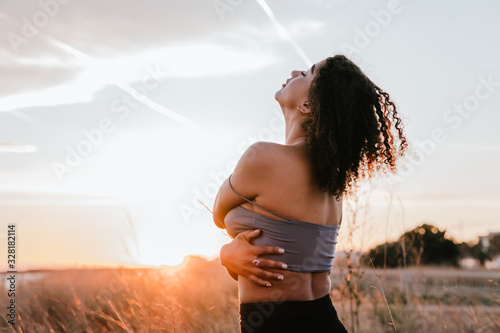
point(294, 91)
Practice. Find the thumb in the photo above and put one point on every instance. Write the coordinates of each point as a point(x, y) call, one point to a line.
point(248, 234)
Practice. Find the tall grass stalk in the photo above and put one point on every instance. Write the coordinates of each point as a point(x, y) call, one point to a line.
point(392, 323)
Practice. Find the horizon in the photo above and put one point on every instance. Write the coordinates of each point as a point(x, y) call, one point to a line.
point(186, 260)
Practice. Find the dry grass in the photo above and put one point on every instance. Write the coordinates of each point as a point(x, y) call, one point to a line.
point(202, 298)
point(198, 298)
point(428, 299)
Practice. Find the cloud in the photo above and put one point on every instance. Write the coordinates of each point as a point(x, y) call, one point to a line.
point(123, 39)
point(101, 29)
point(184, 40)
point(187, 61)
point(16, 148)
point(14, 77)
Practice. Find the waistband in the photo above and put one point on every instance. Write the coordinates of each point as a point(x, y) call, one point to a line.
point(291, 308)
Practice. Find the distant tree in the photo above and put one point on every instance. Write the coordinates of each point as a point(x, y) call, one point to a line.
point(424, 245)
point(495, 245)
point(465, 250)
point(481, 253)
point(391, 254)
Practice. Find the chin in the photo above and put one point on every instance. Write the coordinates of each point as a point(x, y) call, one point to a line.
point(277, 95)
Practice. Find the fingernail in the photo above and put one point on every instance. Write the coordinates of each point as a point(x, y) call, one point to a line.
point(284, 266)
point(280, 277)
point(257, 230)
point(281, 250)
point(268, 284)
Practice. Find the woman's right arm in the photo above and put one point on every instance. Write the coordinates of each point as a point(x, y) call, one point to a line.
point(238, 255)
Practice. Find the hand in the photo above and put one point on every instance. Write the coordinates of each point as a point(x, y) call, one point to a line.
point(238, 255)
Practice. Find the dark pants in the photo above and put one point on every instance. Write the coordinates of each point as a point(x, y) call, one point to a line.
point(316, 316)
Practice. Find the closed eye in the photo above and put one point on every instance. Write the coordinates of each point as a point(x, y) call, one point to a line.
point(303, 73)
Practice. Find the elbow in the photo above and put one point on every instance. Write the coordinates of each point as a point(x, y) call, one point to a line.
point(218, 217)
point(220, 224)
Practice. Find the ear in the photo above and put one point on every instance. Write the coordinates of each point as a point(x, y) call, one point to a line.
point(304, 108)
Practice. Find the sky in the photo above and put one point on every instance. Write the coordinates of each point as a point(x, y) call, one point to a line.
point(118, 117)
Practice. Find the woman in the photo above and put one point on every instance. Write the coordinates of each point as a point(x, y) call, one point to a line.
point(340, 128)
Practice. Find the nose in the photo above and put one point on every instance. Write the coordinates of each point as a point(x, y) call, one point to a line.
point(295, 73)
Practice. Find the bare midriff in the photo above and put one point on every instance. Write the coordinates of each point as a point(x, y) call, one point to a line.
point(296, 286)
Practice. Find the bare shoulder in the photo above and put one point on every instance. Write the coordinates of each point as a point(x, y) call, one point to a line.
point(265, 148)
point(264, 154)
point(260, 164)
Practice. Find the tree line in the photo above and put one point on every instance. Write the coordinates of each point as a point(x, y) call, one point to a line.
point(428, 245)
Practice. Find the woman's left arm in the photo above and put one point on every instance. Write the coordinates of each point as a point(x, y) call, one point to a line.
point(251, 174)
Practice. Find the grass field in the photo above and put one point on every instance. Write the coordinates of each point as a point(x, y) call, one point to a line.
point(200, 297)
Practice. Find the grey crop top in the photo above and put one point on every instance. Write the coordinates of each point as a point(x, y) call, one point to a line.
point(309, 247)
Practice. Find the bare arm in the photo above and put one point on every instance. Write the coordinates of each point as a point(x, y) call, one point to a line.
point(251, 174)
point(253, 171)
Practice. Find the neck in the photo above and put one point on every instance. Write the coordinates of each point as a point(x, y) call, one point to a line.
point(293, 128)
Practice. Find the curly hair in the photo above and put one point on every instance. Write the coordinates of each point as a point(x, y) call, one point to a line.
point(354, 131)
